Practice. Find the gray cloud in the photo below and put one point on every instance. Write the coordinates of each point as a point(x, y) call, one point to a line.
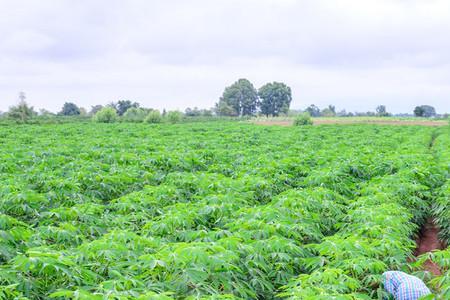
point(173, 54)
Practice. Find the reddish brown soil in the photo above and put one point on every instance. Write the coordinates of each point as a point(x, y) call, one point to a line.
point(427, 242)
point(349, 121)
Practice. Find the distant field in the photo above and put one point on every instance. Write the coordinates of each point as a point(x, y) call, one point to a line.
point(355, 120)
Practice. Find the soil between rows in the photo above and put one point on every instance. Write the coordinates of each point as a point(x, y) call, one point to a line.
point(428, 241)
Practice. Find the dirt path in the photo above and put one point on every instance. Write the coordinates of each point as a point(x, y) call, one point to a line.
point(427, 242)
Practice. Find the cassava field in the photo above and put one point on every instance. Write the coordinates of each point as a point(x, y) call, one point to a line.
point(219, 210)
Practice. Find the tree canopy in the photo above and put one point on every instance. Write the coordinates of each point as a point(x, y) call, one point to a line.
point(239, 99)
point(381, 111)
point(424, 111)
point(275, 98)
point(70, 109)
point(95, 109)
point(329, 111)
point(313, 110)
point(123, 105)
point(22, 112)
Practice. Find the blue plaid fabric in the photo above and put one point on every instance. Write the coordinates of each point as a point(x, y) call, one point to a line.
point(404, 286)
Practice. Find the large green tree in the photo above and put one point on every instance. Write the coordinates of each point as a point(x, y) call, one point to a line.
point(239, 99)
point(70, 109)
point(275, 98)
point(424, 111)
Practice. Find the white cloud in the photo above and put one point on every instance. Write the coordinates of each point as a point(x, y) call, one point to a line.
point(173, 54)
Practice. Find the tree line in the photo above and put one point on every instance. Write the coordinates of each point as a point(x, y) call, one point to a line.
point(240, 99)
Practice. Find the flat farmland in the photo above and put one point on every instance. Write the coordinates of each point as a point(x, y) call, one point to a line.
point(219, 210)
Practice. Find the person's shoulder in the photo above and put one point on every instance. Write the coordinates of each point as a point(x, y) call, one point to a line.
point(394, 273)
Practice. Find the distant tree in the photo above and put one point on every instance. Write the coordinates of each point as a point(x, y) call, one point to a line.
point(224, 109)
point(123, 105)
point(70, 109)
point(95, 109)
point(313, 110)
point(192, 112)
point(329, 111)
point(342, 113)
point(153, 116)
point(196, 112)
point(106, 115)
point(135, 115)
point(332, 108)
point(207, 112)
point(275, 98)
point(239, 99)
point(418, 111)
point(426, 111)
point(164, 112)
point(22, 112)
point(381, 111)
point(83, 111)
point(174, 116)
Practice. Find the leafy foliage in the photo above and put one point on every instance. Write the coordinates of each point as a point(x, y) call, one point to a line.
point(174, 116)
point(275, 98)
point(424, 111)
point(70, 109)
point(22, 112)
point(214, 210)
point(122, 106)
point(239, 99)
point(303, 119)
point(154, 116)
point(106, 115)
point(134, 115)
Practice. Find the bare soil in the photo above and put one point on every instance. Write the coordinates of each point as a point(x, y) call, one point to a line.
point(350, 121)
point(428, 241)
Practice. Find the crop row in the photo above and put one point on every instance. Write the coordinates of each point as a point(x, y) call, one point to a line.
point(375, 236)
point(206, 211)
point(441, 215)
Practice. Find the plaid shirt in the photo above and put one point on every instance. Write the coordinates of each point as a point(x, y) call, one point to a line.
point(403, 286)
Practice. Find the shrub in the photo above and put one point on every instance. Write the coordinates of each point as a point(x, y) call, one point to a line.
point(153, 116)
point(303, 119)
point(106, 115)
point(22, 113)
point(174, 116)
point(134, 115)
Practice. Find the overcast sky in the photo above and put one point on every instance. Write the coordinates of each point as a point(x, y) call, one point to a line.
point(355, 54)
